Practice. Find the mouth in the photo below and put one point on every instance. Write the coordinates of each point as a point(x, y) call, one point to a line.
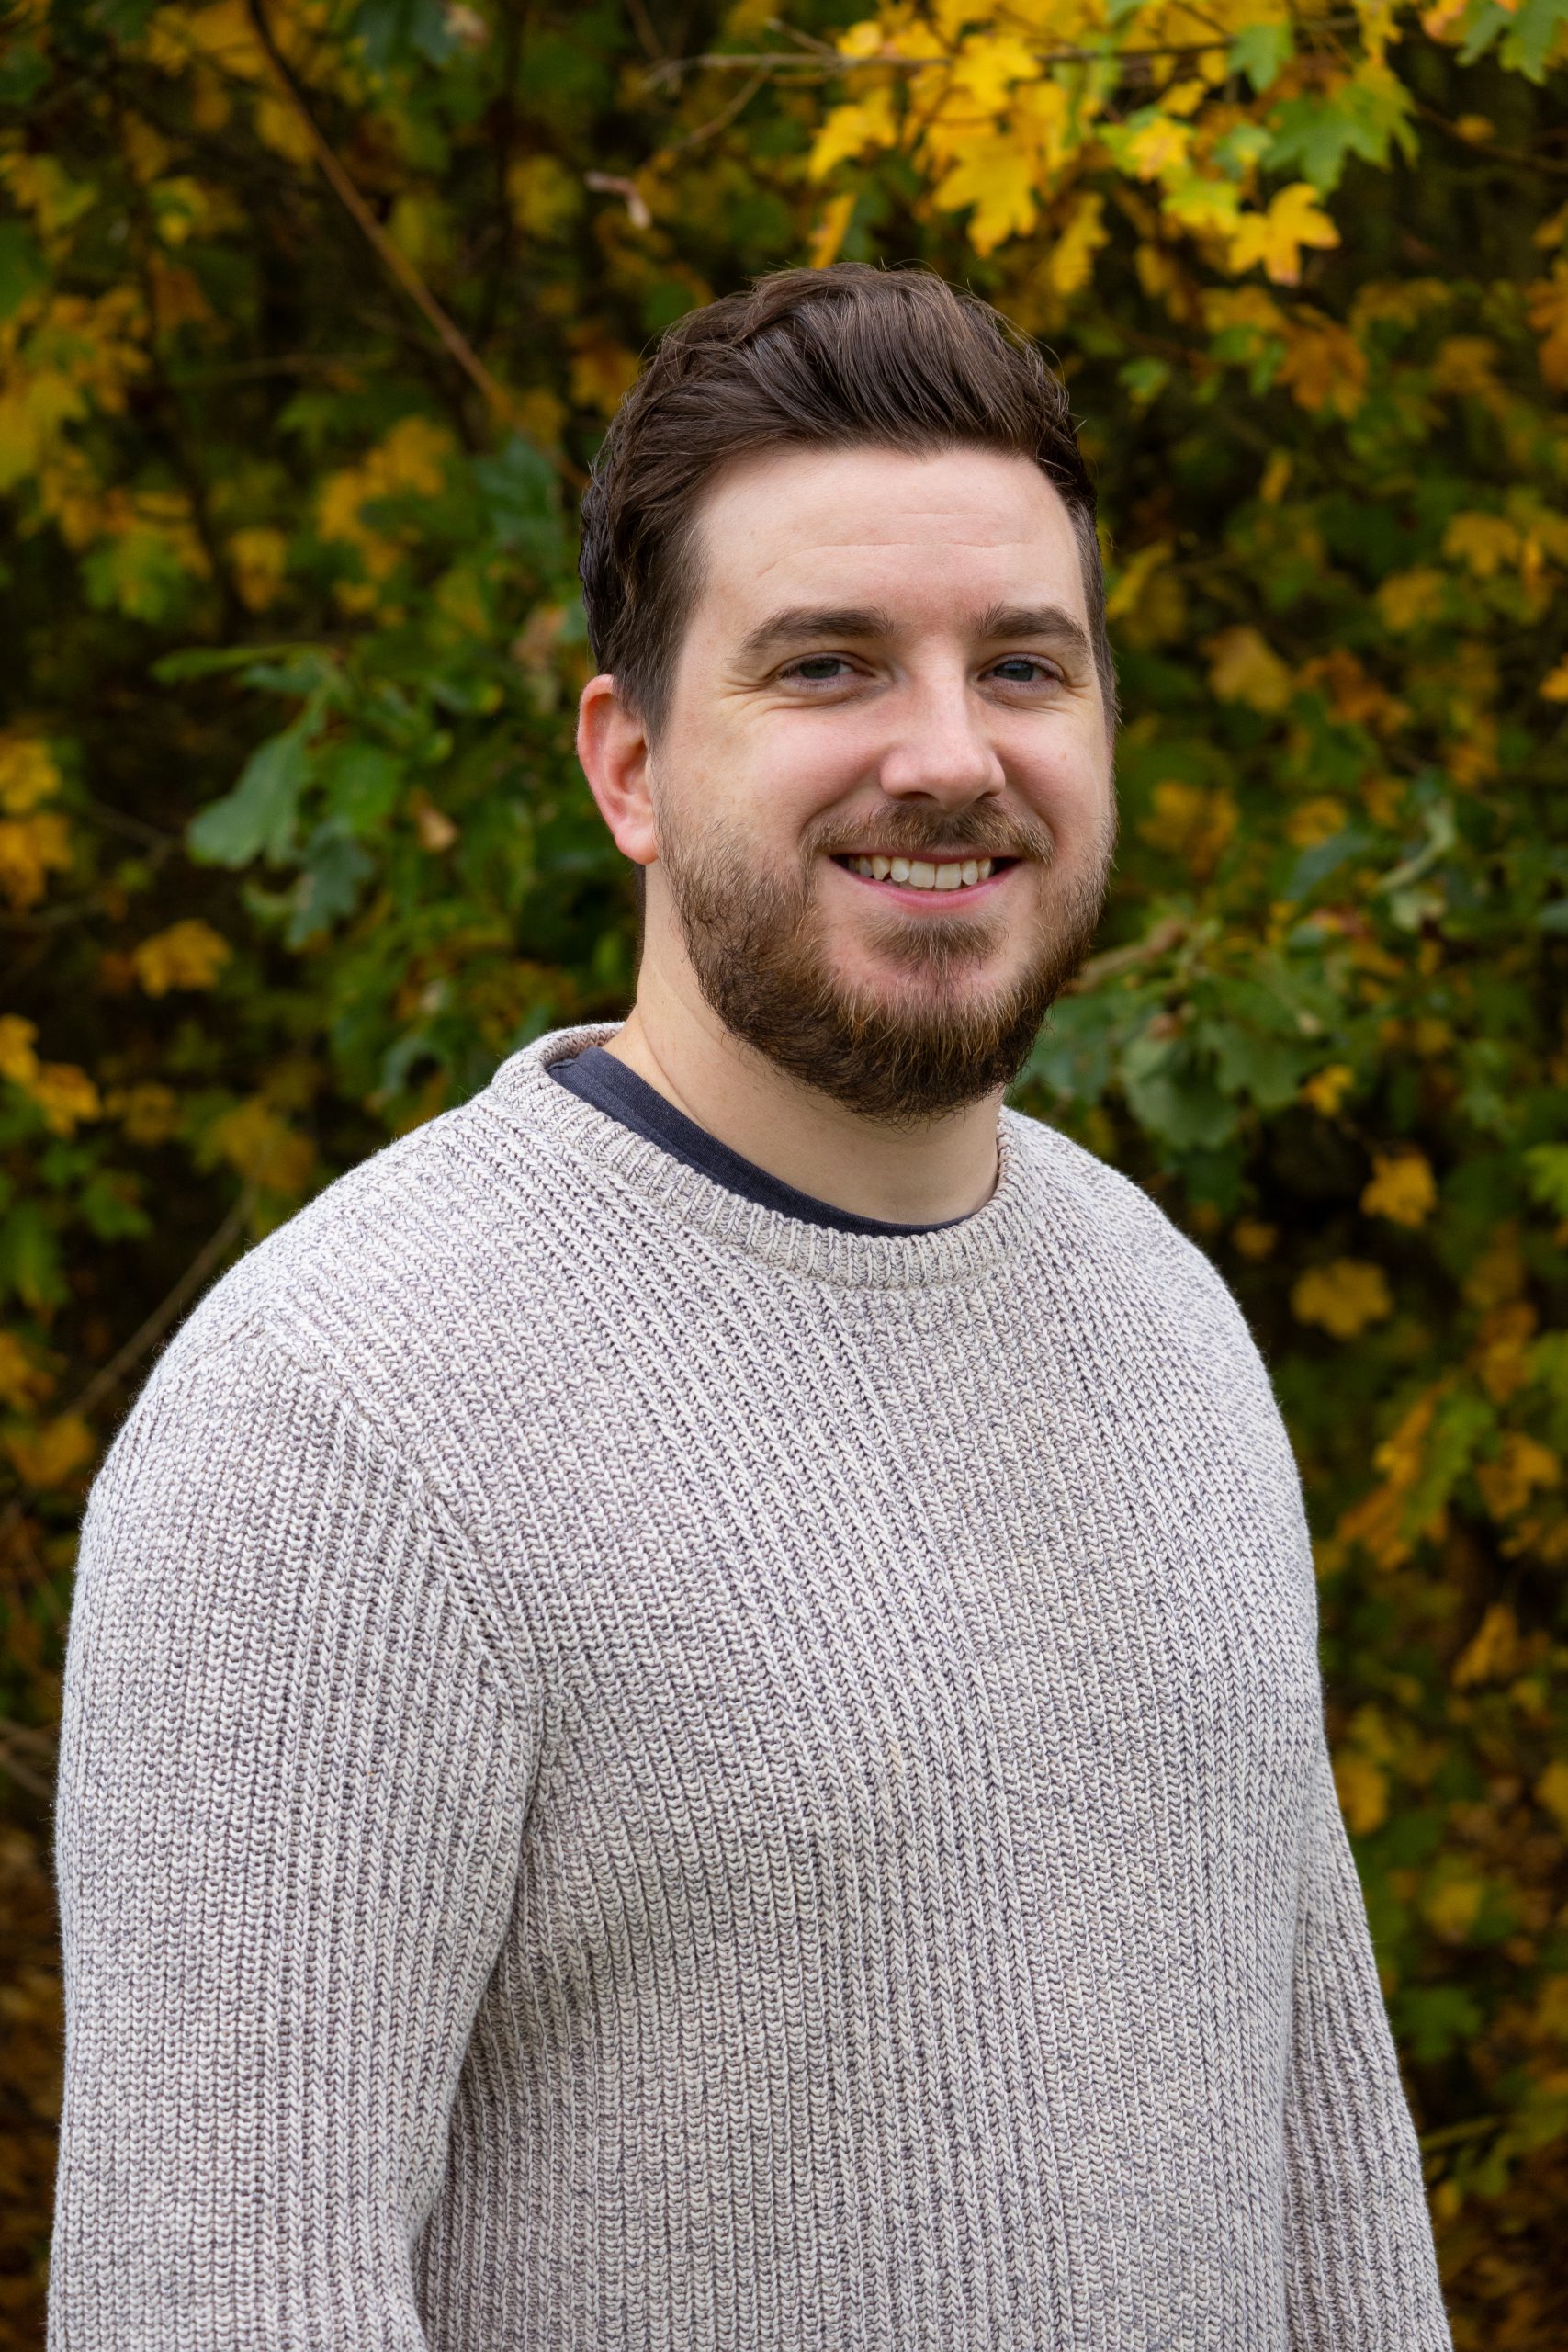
point(927, 880)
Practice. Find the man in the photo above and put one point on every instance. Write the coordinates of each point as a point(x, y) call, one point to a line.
point(693, 1717)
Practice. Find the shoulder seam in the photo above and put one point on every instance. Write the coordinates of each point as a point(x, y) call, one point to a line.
point(257, 1330)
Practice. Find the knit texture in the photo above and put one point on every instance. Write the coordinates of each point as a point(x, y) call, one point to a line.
point(641, 1773)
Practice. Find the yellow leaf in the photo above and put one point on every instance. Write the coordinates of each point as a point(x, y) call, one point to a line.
point(998, 177)
point(1465, 365)
point(22, 1382)
point(1402, 1187)
point(189, 954)
point(1485, 542)
point(1501, 1354)
point(988, 66)
point(47, 1456)
point(1452, 1906)
point(1552, 1792)
point(1276, 476)
point(602, 374)
point(1326, 1089)
point(1547, 298)
point(65, 1095)
point(544, 195)
point(1069, 265)
point(1362, 1789)
point(1160, 146)
point(1188, 822)
point(253, 1138)
point(149, 1112)
point(1492, 1654)
point(1406, 598)
point(832, 228)
point(30, 848)
point(1315, 821)
point(1255, 1239)
point(1324, 368)
point(1343, 1297)
point(1521, 1464)
point(848, 130)
point(28, 773)
point(1245, 668)
point(1554, 685)
point(259, 556)
point(17, 1060)
point(1129, 583)
point(1294, 219)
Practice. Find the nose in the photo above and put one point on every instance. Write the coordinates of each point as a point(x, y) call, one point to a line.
point(941, 751)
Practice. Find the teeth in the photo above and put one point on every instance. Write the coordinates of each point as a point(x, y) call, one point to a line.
point(918, 873)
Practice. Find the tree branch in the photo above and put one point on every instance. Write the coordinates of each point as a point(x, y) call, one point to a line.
point(397, 266)
point(108, 1376)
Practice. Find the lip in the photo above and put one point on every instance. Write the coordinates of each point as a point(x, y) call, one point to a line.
point(929, 902)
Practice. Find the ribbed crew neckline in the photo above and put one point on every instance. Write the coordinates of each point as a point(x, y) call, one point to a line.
point(965, 1251)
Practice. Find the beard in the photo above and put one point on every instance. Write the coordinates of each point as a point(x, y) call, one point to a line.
point(935, 1038)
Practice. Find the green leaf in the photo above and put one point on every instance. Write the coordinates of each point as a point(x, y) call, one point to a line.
point(22, 270)
point(1546, 1173)
point(396, 32)
point(1261, 52)
point(362, 785)
point(1532, 35)
point(522, 497)
point(258, 816)
point(29, 1256)
point(1315, 864)
point(1318, 135)
point(336, 867)
point(1172, 1097)
point(216, 661)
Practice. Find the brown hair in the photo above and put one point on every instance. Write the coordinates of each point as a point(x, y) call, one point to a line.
point(891, 358)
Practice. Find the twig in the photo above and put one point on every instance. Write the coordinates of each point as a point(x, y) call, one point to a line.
point(722, 120)
point(396, 265)
point(15, 1736)
point(812, 67)
point(163, 1314)
point(1117, 960)
point(642, 25)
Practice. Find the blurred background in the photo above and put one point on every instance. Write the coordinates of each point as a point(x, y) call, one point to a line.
point(312, 315)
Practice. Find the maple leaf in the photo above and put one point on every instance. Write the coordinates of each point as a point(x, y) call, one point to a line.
point(1275, 238)
point(1546, 301)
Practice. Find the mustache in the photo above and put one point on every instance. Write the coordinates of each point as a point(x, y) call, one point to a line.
point(902, 831)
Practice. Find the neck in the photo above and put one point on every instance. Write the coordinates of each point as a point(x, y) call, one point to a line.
point(944, 1168)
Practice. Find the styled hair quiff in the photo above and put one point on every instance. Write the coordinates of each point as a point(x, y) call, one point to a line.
point(838, 357)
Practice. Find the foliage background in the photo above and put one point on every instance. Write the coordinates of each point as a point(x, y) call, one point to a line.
point(310, 316)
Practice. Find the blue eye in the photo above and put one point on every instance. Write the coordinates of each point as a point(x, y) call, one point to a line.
point(817, 669)
point(1020, 669)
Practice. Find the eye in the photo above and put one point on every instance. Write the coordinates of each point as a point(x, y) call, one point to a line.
point(1026, 670)
point(818, 669)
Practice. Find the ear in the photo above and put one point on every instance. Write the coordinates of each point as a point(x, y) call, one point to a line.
point(611, 744)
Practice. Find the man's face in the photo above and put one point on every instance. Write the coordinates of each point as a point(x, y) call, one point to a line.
point(883, 795)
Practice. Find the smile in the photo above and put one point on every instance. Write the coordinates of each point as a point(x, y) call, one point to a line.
point(922, 874)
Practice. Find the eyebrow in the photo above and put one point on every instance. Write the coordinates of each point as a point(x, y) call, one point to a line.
point(852, 622)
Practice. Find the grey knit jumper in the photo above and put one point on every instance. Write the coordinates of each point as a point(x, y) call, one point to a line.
point(639, 1772)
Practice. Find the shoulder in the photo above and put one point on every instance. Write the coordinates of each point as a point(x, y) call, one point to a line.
point(387, 1285)
point(1108, 1242)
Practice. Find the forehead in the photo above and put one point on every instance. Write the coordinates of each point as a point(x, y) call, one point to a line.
point(925, 536)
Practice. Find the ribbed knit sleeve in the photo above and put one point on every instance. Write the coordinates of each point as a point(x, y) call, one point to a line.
point(1360, 2272)
point(291, 1797)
